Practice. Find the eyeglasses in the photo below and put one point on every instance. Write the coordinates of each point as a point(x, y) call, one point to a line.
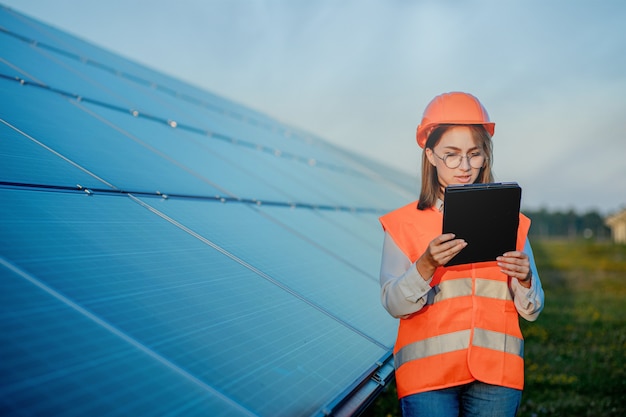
point(453, 160)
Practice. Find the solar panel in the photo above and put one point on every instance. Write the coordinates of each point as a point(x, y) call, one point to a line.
point(164, 251)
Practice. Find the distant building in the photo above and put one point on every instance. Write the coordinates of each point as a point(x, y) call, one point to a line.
point(617, 223)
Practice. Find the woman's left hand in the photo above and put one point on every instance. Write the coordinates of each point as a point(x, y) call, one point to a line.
point(516, 265)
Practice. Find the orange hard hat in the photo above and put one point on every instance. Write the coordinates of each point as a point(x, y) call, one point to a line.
point(453, 108)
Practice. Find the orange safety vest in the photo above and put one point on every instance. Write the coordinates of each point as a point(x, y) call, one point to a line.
point(469, 328)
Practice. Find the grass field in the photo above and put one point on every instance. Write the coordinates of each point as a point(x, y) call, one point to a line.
point(576, 351)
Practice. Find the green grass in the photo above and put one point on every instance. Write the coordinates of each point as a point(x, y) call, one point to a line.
point(576, 351)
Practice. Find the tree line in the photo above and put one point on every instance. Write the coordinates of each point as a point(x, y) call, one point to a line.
point(567, 224)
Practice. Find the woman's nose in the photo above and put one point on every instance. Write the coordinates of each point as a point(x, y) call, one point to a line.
point(465, 163)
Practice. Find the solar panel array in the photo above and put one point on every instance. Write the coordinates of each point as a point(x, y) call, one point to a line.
point(165, 251)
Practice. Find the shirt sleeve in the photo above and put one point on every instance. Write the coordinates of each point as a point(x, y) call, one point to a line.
point(528, 301)
point(403, 290)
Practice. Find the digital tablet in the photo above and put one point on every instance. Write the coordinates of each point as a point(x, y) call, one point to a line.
point(486, 216)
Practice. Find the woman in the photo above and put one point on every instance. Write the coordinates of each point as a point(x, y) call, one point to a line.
point(459, 350)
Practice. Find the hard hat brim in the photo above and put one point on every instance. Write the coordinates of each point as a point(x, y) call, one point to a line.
point(424, 131)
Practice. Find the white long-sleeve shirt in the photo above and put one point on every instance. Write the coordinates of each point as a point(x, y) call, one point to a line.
point(404, 291)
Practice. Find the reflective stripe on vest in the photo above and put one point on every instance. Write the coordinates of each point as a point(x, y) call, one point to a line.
point(498, 341)
point(457, 341)
point(463, 287)
point(433, 346)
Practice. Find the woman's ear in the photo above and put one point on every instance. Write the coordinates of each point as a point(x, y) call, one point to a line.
point(430, 156)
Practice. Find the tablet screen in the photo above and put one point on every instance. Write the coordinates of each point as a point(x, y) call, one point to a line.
point(486, 216)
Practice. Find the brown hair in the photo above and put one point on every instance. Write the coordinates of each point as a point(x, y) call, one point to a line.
point(430, 182)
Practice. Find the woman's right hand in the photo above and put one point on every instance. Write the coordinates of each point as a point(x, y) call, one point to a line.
point(439, 251)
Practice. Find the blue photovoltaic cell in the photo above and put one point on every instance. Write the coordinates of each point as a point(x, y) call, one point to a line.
point(167, 252)
point(24, 160)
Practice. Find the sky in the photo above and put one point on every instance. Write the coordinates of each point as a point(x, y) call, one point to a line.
point(359, 73)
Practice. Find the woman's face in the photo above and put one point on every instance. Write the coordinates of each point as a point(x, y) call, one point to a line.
point(457, 140)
